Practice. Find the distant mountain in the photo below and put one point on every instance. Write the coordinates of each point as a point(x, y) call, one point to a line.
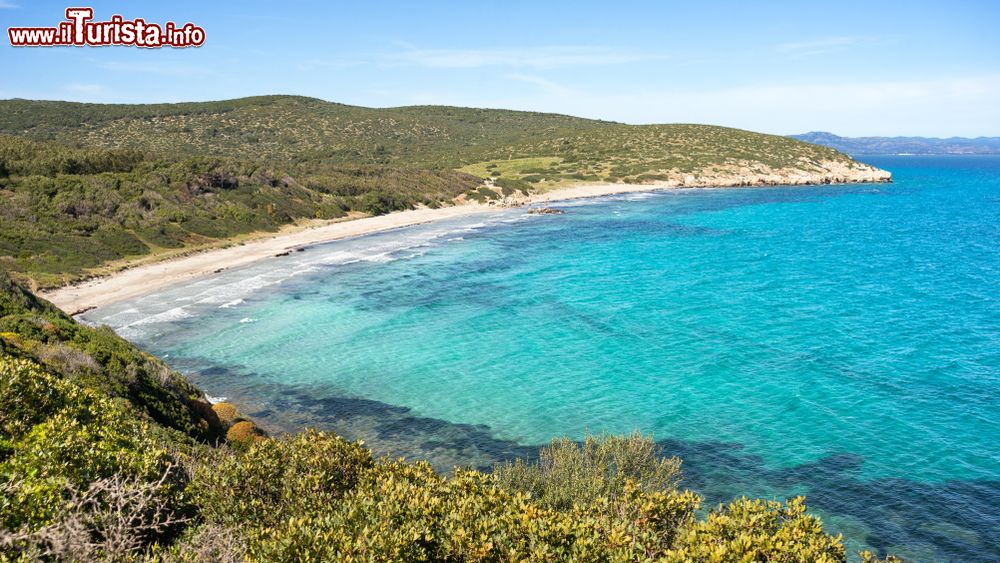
point(857, 146)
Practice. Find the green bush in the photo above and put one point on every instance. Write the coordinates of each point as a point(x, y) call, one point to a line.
point(398, 511)
point(277, 479)
point(71, 437)
point(27, 397)
point(757, 530)
point(569, 473)
point(511, 185)
point(380, 203)
point(407, 512)
point(98, 359)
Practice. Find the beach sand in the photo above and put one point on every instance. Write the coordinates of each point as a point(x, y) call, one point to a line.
point(150, 277)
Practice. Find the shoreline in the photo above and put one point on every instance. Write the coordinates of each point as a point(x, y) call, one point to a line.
point(146, 278)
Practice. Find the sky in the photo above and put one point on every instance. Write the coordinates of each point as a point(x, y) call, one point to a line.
point(852, 68)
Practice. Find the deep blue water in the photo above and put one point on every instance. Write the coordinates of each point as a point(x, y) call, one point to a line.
point(841, 342)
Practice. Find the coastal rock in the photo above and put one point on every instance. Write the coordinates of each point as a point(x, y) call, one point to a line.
point(244, 432)
point(226, 412)
point(751, 174)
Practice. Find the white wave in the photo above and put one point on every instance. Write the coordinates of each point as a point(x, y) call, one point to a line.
point(414, 255)
point(170, 315)
point(581, 202)
point(124, 312)
point(639, 196)
point(232, 287)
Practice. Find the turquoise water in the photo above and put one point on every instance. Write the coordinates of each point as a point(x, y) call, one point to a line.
point(841, 342)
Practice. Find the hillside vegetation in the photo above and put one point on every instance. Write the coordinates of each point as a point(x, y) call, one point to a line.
point(84, 185)
point(296, 129)
point(64, 210)
point(107, 454)
point(291, 128)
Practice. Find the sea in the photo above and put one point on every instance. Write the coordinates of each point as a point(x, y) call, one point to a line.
point(840, 342)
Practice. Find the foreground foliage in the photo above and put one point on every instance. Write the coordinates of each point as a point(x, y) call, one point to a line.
point(569, 473)
point(88, 472)
point(99, 360)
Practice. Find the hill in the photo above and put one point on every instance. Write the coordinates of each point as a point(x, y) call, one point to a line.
point(297, 130)
point(107, 454)
point(65, 210)
point(860, 146)
point(90, 186)
point(289, 128)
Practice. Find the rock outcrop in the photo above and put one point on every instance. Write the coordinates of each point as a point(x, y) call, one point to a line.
point(757, 174)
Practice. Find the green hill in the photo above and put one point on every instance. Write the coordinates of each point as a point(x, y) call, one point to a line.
point(108, 455)
point(291, 128)
point(295, 129)
point(83, 186)
point(66, 210)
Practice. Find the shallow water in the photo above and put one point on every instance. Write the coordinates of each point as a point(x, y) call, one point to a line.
point(841, 342)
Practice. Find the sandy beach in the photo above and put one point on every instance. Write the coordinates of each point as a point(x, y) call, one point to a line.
point(148, 278)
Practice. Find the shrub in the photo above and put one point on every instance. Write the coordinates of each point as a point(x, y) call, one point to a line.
point(100, 360)
point(78, 478)
point(207, 542)
point(112, 519)
point(226, 412)
point(67, 360)
point(243, 432)
point(569, 473)
point(510, 185)
point(758, 530)
point(407, 512)
point(27, 396)
point(380, 203)
point(67, 439)
point(276, 479)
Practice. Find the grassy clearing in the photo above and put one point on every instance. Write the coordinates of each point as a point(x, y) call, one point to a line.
point(513, 168)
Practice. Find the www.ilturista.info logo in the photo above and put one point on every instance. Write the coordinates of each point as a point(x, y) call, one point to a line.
point(79, 30)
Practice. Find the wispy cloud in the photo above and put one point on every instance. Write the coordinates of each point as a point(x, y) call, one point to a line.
point(819, 46)
point(86, 88)
point(535, 57)
point(5, 4)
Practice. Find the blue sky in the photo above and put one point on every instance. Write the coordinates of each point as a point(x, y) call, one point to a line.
point(854, 68)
